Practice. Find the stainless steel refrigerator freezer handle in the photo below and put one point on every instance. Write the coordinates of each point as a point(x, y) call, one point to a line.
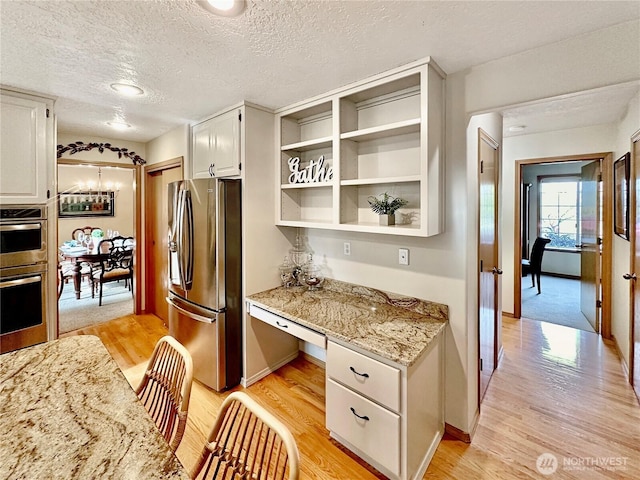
point(185, 249)
point(189, 314)
point(179, 225)
point(189, 259)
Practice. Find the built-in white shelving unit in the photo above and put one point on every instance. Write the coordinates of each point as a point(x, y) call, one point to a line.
point(383, 134)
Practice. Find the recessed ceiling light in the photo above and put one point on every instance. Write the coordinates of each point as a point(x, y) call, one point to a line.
point(517, 128)
point(225, 8)
point(127, 89)
point(119, 125)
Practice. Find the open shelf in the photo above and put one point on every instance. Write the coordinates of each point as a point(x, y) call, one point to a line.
point(383, 131)
point(384, 134)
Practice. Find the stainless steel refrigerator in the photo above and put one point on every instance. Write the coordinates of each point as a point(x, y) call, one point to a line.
point(205, 279)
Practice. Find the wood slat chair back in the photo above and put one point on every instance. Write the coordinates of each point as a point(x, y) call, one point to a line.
point(247, 442)
point(166, 388)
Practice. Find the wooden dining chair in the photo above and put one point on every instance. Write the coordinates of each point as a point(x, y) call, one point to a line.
point(88, 230)
point(165, 388)
point(247, 441)
point(116, 265)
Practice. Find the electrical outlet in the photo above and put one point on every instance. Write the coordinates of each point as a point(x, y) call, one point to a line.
point(403, 256)
point(347, 248)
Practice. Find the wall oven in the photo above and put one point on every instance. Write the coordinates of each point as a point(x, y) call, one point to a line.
point(23, 276)
point(23, 235)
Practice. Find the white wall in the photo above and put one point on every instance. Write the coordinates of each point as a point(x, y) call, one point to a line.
point(621, 250)
point(171, 145)
point(576, 141)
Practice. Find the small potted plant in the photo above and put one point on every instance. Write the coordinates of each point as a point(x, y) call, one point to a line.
point(386, 207)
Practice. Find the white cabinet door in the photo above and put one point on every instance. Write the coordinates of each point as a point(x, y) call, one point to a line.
point(23, 150)
point(201, 162)
point(216, 146)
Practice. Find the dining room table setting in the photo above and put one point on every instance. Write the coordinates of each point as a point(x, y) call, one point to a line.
point(68, 412)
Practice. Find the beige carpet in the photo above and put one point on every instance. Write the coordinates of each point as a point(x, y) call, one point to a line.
point(74, 314)
point(558, 303)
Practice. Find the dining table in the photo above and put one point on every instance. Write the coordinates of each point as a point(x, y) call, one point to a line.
point(79, 255)
point(68, 412)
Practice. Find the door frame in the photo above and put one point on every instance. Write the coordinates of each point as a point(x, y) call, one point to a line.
point(137, 219)
point(607, 234)
point(149, 170)
point(633, 239)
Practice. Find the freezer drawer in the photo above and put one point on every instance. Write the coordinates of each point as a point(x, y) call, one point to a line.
point(200, 333)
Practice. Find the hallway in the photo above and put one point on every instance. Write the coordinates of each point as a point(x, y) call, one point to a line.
point(557, 391)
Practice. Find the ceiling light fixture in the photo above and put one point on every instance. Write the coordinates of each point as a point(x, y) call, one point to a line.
point(517, 128)
point(127, 89)
point(225, 8)
point(119, 125)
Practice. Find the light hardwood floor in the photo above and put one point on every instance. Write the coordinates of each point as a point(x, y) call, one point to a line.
point(557, 390)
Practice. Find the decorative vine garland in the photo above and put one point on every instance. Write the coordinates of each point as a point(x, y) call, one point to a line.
point(84, 147)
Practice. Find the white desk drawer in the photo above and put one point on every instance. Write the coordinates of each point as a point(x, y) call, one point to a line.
point(288, 326)
point(374, 379)
point(367, 426)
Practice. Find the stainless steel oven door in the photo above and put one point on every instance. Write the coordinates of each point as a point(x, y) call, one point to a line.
point(23, 293)
point(23, 235)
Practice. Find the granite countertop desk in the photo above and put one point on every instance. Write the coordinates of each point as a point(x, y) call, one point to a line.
point(395, 327)
point(68, 412)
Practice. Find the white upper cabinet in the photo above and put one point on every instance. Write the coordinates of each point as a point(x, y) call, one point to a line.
point(381, 135)
point(216, 146)
point(26, 147)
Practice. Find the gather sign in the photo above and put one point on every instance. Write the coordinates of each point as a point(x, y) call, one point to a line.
point(316, 171)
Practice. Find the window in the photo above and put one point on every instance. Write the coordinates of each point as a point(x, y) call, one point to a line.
point(559, 210)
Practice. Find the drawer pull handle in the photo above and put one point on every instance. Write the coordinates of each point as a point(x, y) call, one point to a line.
point(362, 417)
point(281, 324)
point(365, 375)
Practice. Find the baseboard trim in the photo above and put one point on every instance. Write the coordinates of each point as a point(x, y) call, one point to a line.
point(245, 382)
point(562, 275)
point(625, 367)
point(312, 359)
point(509, 315)
point(456, 433)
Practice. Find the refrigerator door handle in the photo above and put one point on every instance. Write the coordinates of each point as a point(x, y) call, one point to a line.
point(189, 314)
point(185, 248)
point(189, 254)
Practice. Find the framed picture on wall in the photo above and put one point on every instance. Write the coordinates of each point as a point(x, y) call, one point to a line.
point(86, 204)
point(621, 196)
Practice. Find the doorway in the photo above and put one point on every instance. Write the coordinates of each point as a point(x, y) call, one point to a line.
point(157, 178)
point(101, 195)
point(578, 260)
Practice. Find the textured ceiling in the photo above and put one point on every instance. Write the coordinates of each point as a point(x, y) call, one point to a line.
point(192, 63)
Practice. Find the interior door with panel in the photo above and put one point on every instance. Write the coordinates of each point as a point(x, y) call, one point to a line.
point(590, 251)
point(489, 271)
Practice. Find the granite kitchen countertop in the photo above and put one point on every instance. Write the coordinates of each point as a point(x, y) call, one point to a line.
point(68, 412)
point(395, 327)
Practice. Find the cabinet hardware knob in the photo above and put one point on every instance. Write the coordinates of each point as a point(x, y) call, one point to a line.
point(497, 271)
point(365, 375)
point(281, 324)
point(363, 417)
point(629, 276)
